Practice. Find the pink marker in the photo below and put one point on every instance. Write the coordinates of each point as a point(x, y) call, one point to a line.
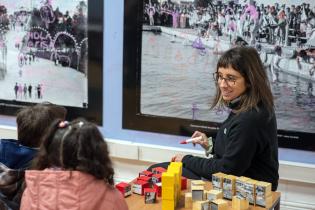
point(191, 140)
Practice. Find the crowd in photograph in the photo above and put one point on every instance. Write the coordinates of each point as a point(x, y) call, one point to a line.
point(272, 23)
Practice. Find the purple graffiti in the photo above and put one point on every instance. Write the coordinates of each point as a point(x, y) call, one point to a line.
point(38, 39)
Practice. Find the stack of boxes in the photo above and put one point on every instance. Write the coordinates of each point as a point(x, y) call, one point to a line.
point(169, 183)
point(241, 190)
point(171, 186)
point(157, 178)
point(200, 199)
point(139, 185)
point(197, 190)
point(143, 181)
point(253, 191)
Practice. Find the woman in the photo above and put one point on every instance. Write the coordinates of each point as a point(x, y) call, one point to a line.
point(246, 143)
point(73, 171)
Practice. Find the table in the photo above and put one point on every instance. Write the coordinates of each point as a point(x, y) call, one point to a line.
point(136, 202)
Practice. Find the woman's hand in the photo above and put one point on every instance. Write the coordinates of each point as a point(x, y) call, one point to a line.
point(177, 158)
point(203, 141)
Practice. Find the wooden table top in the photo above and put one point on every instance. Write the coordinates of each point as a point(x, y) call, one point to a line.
point(136, 202)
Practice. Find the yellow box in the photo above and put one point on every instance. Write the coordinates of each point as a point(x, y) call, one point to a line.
point(176, 168)
point(188, 200)
point(219, 204)
point(175, 171)
point(213, 195)
point(239, 203)
point(168, 193)
point(178, 165)
point(200, 205)
point(168, 204)
point(168, 179)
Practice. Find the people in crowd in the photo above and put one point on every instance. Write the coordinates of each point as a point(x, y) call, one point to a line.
point(246, 144)
point(73, 170)
point(16, 155)
point(274, 23)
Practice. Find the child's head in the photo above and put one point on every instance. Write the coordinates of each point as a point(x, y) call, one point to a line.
point(77, 145)
point(33, 121)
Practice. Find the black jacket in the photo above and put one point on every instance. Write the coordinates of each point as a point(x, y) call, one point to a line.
point(246, 145)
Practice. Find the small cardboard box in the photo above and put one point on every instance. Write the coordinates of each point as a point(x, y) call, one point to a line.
point(124, 188)
point(214, 194)
point(219, 204)
point(197, 193)
point(149, 195)
point(239, 203)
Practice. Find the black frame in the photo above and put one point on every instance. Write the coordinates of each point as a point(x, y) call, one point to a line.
point(132, 117)
point(94, 111)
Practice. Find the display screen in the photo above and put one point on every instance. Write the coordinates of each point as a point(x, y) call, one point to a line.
point(171, 49)
point(46, 56)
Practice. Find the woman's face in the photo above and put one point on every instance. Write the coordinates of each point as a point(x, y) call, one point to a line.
point(231, 83)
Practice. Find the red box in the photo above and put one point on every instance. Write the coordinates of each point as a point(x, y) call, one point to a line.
point(158, 188)
point(138, 186)
point(183, 183)
point(146, 173)
point(145, 178)
point(149, 195)
point(158, 170)
point(124, 188)
point(156, 178)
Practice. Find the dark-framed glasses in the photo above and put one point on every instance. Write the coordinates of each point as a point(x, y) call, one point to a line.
point(229, 80)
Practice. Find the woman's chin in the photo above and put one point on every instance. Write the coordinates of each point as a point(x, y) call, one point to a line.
point(227, 98)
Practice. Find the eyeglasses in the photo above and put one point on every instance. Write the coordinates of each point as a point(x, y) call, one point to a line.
point(229, 80)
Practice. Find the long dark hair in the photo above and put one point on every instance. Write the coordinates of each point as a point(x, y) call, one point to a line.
point(77, 145)
point(247, 62)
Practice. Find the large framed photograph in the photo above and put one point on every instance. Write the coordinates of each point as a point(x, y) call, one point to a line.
point(52, 51)
point(171, 49)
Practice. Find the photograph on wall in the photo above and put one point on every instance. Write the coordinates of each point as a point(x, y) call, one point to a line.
point(182, 42)
point(44, 51)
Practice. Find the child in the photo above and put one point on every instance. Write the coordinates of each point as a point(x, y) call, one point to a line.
point(16, 155)
point(72, 171)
